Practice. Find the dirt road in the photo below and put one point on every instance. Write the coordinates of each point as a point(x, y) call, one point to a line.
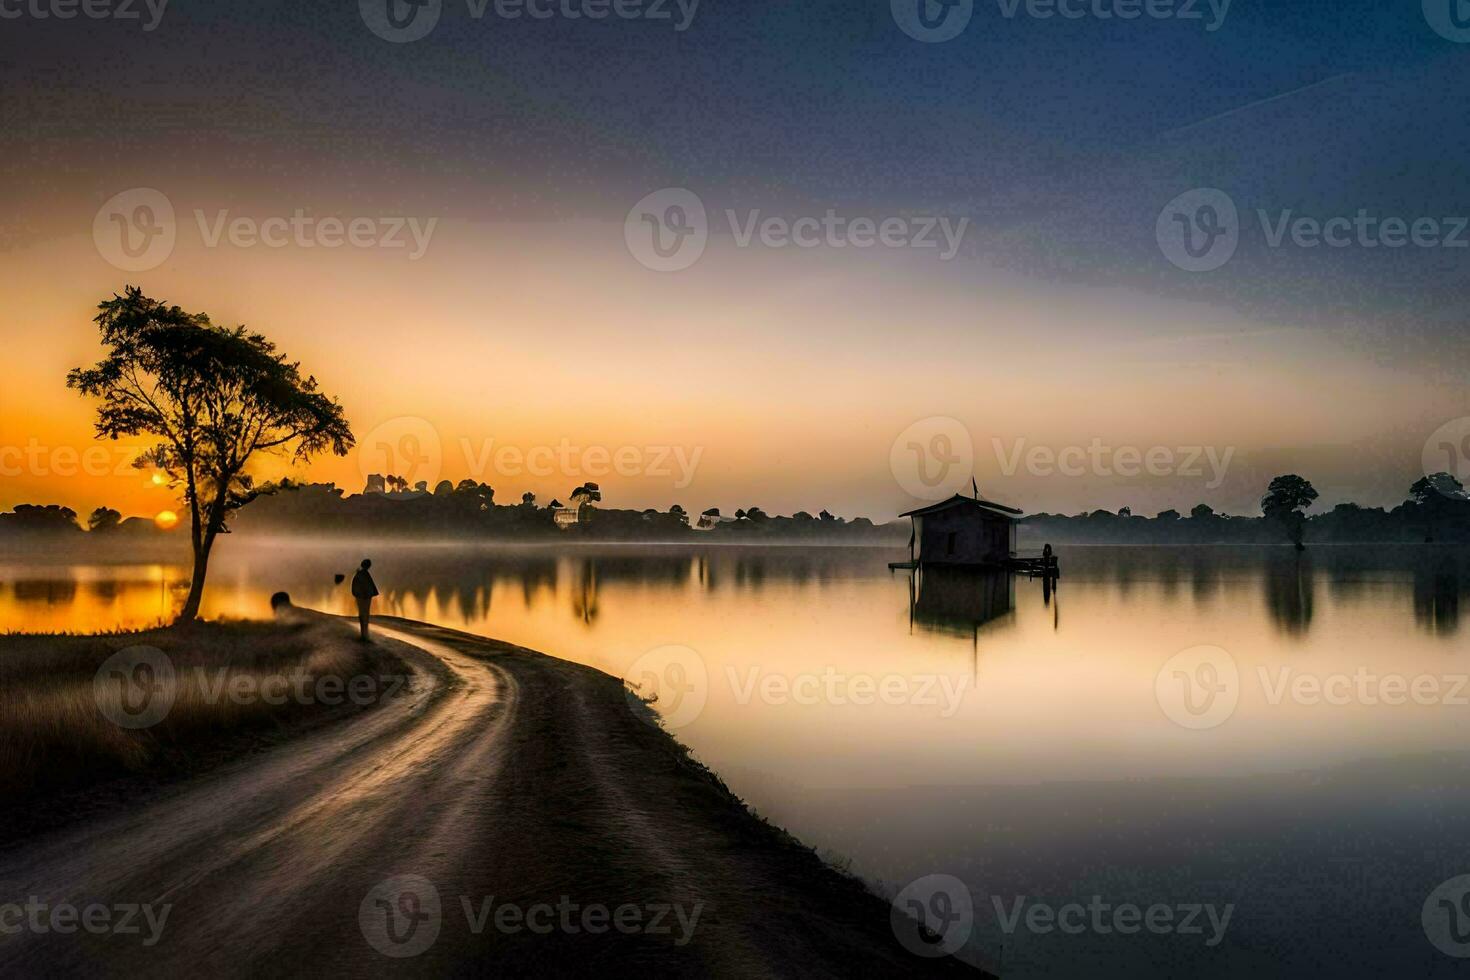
point(507, 812)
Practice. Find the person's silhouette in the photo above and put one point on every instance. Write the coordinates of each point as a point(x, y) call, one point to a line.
point(363, 589)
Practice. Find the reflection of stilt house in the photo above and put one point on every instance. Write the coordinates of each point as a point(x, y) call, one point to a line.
point(959, 601)
point(964, 531)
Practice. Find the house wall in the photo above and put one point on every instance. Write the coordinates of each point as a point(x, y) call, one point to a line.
point(977, 538)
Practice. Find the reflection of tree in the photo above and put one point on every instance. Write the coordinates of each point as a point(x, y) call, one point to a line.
point(584, 592)
point(1290, 592)
point(1437, 596)
point(50, 591)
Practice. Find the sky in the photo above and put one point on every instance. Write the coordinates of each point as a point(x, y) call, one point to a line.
point(1030, 317)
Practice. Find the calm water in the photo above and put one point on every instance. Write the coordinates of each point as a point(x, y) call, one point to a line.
point(1308, 769)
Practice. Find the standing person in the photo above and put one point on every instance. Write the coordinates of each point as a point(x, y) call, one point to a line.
point(363, 589)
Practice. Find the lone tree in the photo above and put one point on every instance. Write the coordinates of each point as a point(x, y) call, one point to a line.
point(1285, 500)
point(214, 397)
point(104, 519)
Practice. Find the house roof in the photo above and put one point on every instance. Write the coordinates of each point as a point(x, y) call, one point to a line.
point(999, 510)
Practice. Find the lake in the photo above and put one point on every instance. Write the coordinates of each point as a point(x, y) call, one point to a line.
point(1203, 761)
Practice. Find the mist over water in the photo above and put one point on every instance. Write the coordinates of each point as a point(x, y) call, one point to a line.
point(1025, 740)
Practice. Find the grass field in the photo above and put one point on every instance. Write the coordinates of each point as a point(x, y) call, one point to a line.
point(61, 698)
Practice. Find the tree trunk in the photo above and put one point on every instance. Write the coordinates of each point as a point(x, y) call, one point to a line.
point(190, 611)
point(202, 547)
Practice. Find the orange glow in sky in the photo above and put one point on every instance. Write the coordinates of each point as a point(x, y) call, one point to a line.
point(783, 379)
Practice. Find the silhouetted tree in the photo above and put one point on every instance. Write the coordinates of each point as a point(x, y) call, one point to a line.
point(1285, 501)
point(215, 397)
point(1430, 493)
point(34, 518)
point(443, 488)
point(528, 499)
point(1167, 515)
point(104, 519)
point(1428, 488)
point(1200, 511)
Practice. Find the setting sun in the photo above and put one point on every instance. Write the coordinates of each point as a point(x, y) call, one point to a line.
point(166, 520)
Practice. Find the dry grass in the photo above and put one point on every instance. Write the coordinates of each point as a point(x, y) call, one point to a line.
point(55, 730)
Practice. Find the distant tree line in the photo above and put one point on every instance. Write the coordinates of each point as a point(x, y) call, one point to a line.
point(1437, 509)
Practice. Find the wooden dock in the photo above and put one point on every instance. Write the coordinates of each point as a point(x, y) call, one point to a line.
point(1043, 566)
point(1033, 566)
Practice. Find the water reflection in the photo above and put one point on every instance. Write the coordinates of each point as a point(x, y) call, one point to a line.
point(465, 585)
point(957, 601)
point(1290, 592)
point(1437, 590)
